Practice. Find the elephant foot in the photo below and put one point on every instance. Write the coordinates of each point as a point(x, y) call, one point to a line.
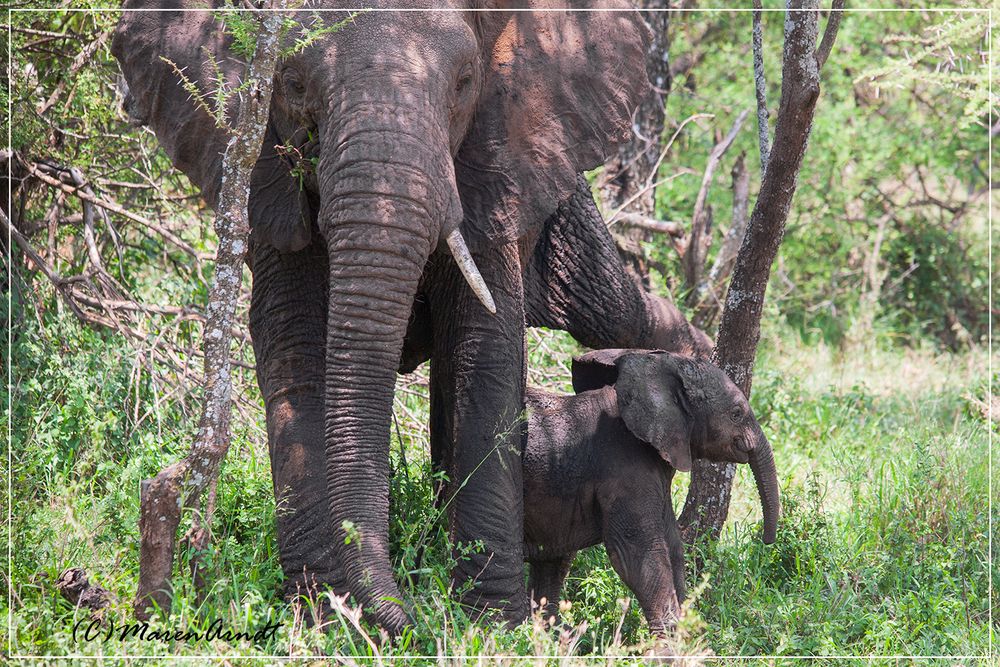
point(488, 610)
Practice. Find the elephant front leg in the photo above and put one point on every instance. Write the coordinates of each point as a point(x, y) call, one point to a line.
point(478, 428)
point(288, 327)
point(641, 555)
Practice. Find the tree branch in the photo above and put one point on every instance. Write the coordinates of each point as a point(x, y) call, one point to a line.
point(700, 239)
point(830, 33)
point(671, 228)
point(760, 88)
point(45, 173)
point(181, 484)
point(708, 303)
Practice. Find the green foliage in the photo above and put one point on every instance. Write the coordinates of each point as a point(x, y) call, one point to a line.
point(880, 548)
point(881, 448)
point(894, 176)
point(242, 26)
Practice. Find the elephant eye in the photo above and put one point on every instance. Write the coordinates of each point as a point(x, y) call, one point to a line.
point(464, 79)
point(736, 414)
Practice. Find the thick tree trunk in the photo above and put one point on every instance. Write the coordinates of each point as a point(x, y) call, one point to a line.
point(629, 173)
point(708, 498)
point(181, 484)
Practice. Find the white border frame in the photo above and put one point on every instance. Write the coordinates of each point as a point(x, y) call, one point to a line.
point(735, 10)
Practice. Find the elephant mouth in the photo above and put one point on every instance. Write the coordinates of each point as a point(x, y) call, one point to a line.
point(301, 151)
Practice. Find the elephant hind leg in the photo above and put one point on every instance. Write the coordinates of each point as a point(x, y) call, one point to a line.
point(676, 547)
point(546, 582)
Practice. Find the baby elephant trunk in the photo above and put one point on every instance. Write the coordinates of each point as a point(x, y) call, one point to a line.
point(762, 465)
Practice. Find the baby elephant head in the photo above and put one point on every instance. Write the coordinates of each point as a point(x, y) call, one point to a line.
point(687, 409)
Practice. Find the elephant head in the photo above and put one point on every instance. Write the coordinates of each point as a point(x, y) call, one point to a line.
point(687, 409)
point(429, 129)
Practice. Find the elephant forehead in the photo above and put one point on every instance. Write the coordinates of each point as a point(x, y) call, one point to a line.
point(396, 25)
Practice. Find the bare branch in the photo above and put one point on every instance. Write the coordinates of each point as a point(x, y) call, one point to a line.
point(81, 59)
point(651, 225)
point(709, 305)
point(40, 172)
point(760, 87)
point(699, 239)
point(830, 33)
point(617, 214)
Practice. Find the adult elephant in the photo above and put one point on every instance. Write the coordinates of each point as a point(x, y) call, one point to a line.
point(442, 141)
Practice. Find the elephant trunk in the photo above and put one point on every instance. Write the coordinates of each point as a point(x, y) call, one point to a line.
point(381, 218)
point(764, 473)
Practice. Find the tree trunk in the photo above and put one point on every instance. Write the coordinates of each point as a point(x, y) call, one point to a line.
point(711, 484)
point(181, 484)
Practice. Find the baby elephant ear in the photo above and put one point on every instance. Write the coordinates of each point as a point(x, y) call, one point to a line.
point(649, 401)
point(596, 369)
point(558, 94)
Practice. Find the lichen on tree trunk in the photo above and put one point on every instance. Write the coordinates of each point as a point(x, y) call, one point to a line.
point(182, 484)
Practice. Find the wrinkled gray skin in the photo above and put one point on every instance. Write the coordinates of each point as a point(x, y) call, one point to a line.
point(598, 468)
point(420, 124)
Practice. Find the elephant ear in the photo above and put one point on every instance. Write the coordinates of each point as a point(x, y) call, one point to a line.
point(151, 46)
point(559, 90)
point(598, 368)
point(652, 405)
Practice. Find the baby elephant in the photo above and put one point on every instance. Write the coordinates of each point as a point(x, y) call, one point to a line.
point(598, 468)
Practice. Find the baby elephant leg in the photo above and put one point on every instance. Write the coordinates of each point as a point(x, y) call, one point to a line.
point(546, 582)
point(641, 555)
point(676, 548)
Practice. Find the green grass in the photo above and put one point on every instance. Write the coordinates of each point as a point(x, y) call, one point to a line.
point(881, 548)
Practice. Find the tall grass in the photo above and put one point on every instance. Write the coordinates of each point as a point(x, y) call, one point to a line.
point(881, 548)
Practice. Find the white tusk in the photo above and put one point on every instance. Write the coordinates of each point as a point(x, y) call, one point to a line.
point(467, 266)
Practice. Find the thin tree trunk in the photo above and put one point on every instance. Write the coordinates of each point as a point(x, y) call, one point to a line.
point(709, 303)
point(181, 484)
point(711, 484)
